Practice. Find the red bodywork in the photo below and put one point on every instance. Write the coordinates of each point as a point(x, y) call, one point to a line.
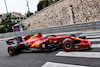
point(35, 41)
point(84, 43)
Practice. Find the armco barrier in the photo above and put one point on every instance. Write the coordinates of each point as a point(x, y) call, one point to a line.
point(1, 36)
point(56, 29)
point(24, 33)
point(8, 35)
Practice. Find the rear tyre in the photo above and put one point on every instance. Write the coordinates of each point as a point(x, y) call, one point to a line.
point(14, 49)
point(11, 50)
point(68, 45)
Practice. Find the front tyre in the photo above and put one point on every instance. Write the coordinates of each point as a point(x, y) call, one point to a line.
point(68, 45)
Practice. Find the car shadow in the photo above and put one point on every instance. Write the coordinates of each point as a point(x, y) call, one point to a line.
point(30, 51)
point(56, 50)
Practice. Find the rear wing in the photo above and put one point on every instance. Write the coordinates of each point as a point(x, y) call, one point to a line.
point(14, 41)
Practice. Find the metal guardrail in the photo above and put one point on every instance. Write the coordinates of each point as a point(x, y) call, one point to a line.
point(56, 29)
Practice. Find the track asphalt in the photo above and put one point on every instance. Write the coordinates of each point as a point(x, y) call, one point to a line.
point(83, 58)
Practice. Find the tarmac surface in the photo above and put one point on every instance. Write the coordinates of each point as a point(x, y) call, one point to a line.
point(83, 58)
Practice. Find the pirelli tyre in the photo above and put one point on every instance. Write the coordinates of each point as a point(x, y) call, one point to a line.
point(68, 45)
point(14, 49)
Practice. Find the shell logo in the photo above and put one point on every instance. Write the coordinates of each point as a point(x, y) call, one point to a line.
point(37, 44)
point(50, 41)
point(79, 38)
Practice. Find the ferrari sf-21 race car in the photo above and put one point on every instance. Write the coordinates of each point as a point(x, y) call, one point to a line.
point(47, 43)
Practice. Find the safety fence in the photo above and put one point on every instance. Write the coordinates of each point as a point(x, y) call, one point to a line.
point(57, 29)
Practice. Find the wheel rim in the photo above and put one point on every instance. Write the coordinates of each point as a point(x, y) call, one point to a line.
point(10, 51)
point(68, 46)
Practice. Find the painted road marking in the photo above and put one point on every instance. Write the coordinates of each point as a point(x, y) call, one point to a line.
point(95, 46)
point(88, 32)
point(91, 40)
point(92, 36)
point(53, 64)
point(79, 54)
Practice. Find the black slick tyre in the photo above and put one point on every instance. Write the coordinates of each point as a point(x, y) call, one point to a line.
point(68, 45)
point(14, 49)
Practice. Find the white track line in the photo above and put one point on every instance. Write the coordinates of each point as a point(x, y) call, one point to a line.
point(92, 36)
point(79, 54)
point(91, 32)
point(92, 40)
point(95, 46)
point(53, 64)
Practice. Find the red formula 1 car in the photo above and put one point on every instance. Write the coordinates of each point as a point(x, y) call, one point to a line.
point(47, 43)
